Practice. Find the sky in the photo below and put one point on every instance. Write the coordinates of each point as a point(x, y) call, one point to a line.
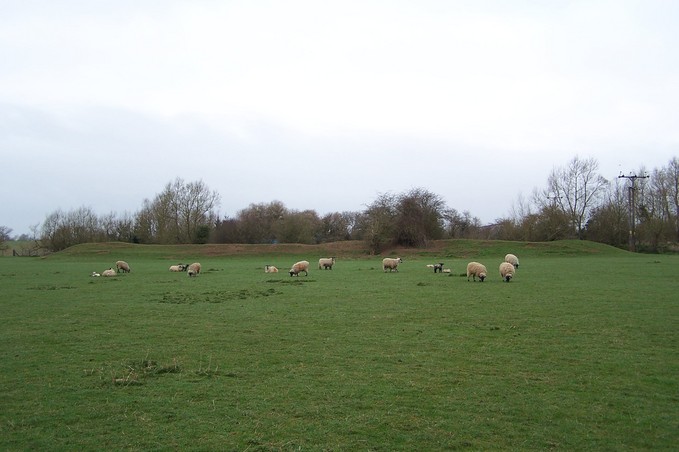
point(326, 105)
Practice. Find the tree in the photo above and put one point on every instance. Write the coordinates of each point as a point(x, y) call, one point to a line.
point(177, 214)
point(419, 217)
point(4, 236)
point(576, 188)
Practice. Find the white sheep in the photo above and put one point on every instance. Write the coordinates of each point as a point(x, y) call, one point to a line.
point(326, 263)
point(512, 259)
point(124, 266)
point(301, 266)
point(95, 274)
point(430, 265)
point(109, 272)
point(391, 264)
point(193, 269)
point(475, 269)
point(506, 271)
point(270, 269)
point(178, 268)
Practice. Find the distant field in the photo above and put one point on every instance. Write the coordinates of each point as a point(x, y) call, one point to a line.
point(579, 351)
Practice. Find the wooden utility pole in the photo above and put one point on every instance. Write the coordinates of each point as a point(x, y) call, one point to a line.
point(631, 200)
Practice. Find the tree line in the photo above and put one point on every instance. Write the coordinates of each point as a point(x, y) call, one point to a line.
point(576, 202)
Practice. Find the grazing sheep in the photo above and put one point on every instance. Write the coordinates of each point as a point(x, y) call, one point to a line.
point(193, 269)
point(512, 259)
point(326, 263)
point(438, 267)
point(475, 269)
point(124, 266)
point(270, 269)
point(178, 268)
point(391, 264)
point(301, 266)
point(506, 271)
point(109, 272)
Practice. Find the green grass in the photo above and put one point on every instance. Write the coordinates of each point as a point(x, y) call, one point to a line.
point(579, 351)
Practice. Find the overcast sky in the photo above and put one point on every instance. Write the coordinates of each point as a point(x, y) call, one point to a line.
point(324, 105)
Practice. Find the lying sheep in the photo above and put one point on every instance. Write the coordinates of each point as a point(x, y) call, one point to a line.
point(326, 263)
point(475, 269)
point(506, 271)
point(270, 269)
point(301, 266)
point(193, 269)
point(109, 272)
point(178, 268)
point(391, 264)
point(95, 274)
point(124, 266)
point(512, 259)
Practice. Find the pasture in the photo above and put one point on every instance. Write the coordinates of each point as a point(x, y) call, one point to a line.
point(579, 351)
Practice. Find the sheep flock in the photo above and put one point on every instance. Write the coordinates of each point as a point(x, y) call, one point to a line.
point(474, 270)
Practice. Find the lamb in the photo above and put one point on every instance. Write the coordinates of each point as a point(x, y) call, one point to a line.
point(391, 264)
point(193, 269)
point(301, 266)
point(512, 259)
point(506, 271)
point(178, 268)
point(270, 269)
point(475, 269)
point(326, 263)
point(438, 267)
point(124, 266)
point(109, 272)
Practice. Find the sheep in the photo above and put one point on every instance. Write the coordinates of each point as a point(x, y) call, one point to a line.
point(506, 271)
point(512, 259)
point(109, 272)
point(301, 266)
point(430, 265)
point(475, 269)
point(95, 274)
point(193, 269)
point(391, 264)
point(438, 267)
point(124, 266)
point(326, 263)
point(178, 268)
point(270, 269)
point(446, 270)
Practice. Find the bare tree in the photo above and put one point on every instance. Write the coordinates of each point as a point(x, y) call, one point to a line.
point(178, 214)
point(576, 188)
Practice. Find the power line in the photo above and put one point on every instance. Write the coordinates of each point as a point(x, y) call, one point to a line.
point(631, 199)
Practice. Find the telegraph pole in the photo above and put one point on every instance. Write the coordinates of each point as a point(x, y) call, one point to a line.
point(631, 200)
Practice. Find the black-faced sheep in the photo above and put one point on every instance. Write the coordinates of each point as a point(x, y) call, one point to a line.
point(475, 269)
point(123, 266)
point(109, 272)
point(438, 267)
point(270, 269)
point(391, 264)
point(506, 271)
point(193, 269)
point(301, 266)
point(512, 259)
point(326, 263)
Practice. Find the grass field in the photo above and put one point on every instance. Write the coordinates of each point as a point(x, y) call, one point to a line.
point(579, 352)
